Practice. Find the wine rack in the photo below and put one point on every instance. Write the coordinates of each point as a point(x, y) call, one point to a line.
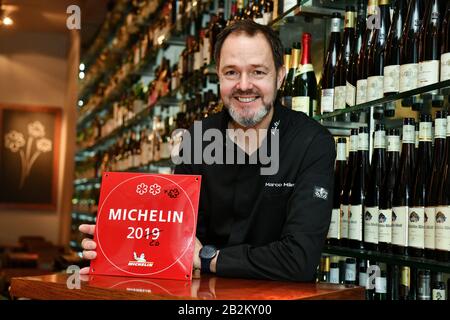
point(307, 15)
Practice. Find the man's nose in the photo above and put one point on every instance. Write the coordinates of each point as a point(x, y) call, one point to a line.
point(244, 83)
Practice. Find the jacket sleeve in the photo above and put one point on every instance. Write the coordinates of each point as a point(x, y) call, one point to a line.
point(295, 256)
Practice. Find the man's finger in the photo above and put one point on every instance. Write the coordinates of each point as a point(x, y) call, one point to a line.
point(89, 255)
point(88, 244)
point(87, 228)
point(84, 271)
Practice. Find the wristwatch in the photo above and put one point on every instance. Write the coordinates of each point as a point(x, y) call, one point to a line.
point(207, 253)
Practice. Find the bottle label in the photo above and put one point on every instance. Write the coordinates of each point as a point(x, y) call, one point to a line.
point(267, 17)
point(440, 128)
point(438, 294)
point(448, 126)
point(391, 79)
point(344, 221)
point(442, 228)
point(301, 104)
point(445, 66)
point(409, 134)
point(361, 91)
point(350, 94)
point(380, 139)
point(374, 88)
point(371, 225)
point(334, 275)
point(380, 285)
point(416, 225)
point(400, 226)
point(327, 100)
point(259, 20)
point(428, 73)
point(362, 279)
point(333, 231)
point(385, 225)
point(354, 143)
point(306, 68)
point(425, 131)
point(363, 141)
point(408, 76)
point(429, 228)
point(416, 139)
point(393, 143)
point(355, 222)
point(198, 60)
point(341, 152)
point(339, 98)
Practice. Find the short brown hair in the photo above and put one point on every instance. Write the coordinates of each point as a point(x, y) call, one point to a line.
point(251, 28)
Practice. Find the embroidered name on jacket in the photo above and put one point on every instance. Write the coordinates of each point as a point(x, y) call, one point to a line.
point(320, 193)
point(280, 184)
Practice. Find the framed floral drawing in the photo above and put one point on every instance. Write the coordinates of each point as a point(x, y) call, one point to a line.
point(29, 152)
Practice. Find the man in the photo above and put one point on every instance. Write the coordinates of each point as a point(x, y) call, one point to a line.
point(254, 225)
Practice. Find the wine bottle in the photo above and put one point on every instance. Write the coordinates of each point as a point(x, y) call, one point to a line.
point(341, 161)
point(343, 62)
point(434, 182)
point(375, 183)
point(342, 270)
point(352, 75)
point(350, 170)
point(409, 44)
point(329, 69)
point(362, 272)
point(416, 213)
point(386, 193)
point(381, 283)
point(325, 269)
point(289, 82)
point(430, 48)
point(334, 272)
point(404, 291)
point(361, 83)
point(391, 80)
point(375, 63)
point(268, 12)
point(350, 271)
point(358, 192)
point(402, 197)
point(287, 65)
point(304, 95)
point(442, 213)
point(424, 285)
point(438, 287)
point(445, 50)
point(371, 276)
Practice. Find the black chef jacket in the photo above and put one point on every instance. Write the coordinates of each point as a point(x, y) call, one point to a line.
point(273, 226)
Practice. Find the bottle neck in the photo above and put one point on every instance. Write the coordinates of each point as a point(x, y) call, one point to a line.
point(306, 55)
point(295, 58)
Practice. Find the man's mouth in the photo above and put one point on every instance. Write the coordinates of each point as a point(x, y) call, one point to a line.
point(246, 99)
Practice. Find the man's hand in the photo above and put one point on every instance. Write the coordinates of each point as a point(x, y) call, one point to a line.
point(88, 245)
point(197, 248)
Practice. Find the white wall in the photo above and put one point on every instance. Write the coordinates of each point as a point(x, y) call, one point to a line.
point(34, 70)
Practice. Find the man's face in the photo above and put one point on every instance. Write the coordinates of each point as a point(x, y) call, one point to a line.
point(248, 79)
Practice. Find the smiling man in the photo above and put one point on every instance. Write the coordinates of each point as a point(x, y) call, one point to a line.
point(252, 225)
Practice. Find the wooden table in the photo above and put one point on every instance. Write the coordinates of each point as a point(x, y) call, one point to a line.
point(54, 287)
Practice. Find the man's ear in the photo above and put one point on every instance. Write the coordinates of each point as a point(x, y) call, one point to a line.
point(280, 77)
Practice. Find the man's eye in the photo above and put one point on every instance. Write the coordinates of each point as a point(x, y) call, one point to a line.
point(230, 73)
point(259, 73)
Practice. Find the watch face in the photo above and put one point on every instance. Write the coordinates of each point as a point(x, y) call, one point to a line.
point(208, 252)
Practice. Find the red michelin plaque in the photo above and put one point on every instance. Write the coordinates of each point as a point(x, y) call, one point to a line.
point(146, 225)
